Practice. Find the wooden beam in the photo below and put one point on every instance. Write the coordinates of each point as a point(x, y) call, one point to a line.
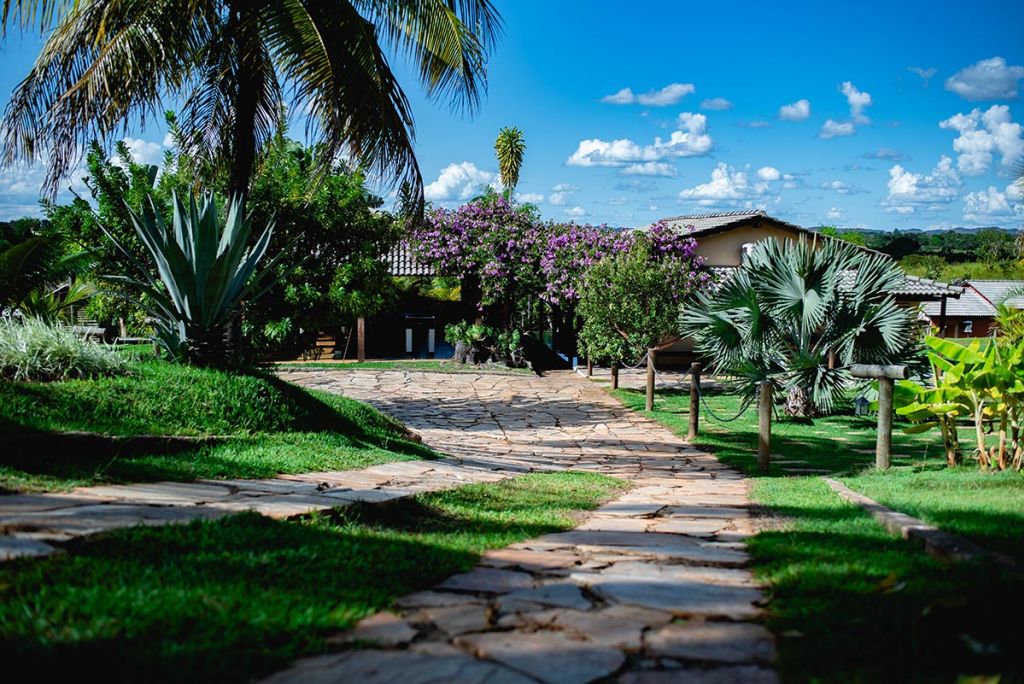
point(764, 426)
point(361, 339)
point(695, 369)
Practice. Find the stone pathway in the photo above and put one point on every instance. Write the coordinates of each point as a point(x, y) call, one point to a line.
point(37, 524)
point(652, 587)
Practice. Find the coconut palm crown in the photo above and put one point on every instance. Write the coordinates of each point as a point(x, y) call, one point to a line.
point(230, 66)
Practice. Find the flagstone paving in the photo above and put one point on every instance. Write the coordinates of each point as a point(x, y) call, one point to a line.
point(651, 587)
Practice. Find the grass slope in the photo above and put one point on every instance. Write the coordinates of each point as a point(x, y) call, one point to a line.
point(267, 427)
point(850, 602)
point(237, 598)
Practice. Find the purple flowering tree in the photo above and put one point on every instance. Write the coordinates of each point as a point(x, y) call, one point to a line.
point(492, 246)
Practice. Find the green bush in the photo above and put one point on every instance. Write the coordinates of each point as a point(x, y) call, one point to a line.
point(36, 350)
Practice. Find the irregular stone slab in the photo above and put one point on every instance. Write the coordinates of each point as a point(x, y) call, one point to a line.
point(562, 595)
point(673, 546)
point(488, 580)
point(159, 493)
point(747, 674)
point(432, 599)
point(531, 561)
point(620, 627)
point(382, 629)
point(407, 667)
point(547, 655)
point(456, 620)
point(18, 547)
point(724, 642)
point(682, 597)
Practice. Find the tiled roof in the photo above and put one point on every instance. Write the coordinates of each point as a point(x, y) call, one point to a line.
point(914, 288)
point(401, 262)
point(970, 303)
point(705, 222)
point(925, 287)
point(996, 291)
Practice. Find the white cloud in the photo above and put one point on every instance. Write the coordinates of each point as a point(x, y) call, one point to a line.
point(976, 144)
point(993, 206)
point(841, 188)
point(576, 212)
point(459, 182)
point(561, 193)
point(668, 95)
point(989, 79)
point(662, 169)
point(792, 181)
point(727, 187)
point(768, 173)
point(909, 191)
point(835, 129)
point(857, 100)
point(143, 151)
point(716, 104)
point(798, 111)
point(925, 74)
point(835, 214)
point(759, 124)
point(689, 140)
point(530, 197)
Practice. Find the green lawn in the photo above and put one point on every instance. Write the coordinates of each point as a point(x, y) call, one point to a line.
point(237, 598)
point(419, 365)
point(263, 427)
point(850, 602)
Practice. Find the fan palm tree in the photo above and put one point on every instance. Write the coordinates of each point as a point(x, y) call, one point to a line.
point(509, 148)
point(793, 310)
point(230, 64)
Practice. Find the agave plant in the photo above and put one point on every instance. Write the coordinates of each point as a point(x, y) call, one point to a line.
point(796, 313)
point(206, 272)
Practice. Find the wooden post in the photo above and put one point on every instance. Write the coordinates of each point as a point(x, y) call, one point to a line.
point(883, 447)
point(764, 426)
point(650, 380)
point(694, 400)
point(885, 376)
point(361, 339)
point(615, 375)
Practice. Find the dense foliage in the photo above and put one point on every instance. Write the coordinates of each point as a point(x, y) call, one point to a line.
point(796, 314)
point(336, 222)
point(985, 386)
point(631, 299)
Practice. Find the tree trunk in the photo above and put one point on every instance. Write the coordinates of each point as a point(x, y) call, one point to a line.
point(244, 33)
point(799, 404)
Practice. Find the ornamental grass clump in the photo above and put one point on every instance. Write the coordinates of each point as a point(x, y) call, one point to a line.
point(34, 350)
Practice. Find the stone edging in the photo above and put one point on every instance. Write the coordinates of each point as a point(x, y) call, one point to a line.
point(938, 543)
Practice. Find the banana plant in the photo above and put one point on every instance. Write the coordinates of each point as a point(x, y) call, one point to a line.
point(985, 385)
point(204, 273)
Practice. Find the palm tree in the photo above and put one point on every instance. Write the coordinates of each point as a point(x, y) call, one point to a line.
point(509, 148)
point(228, 65)
point(798, 313)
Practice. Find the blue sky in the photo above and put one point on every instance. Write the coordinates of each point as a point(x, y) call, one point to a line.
point(878, 115)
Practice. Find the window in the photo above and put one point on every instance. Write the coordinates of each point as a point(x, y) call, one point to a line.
point(968, 327)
